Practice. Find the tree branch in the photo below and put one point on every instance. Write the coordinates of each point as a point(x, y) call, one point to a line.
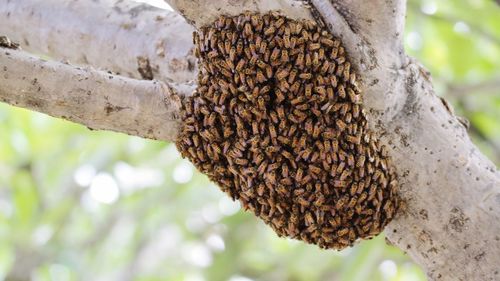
point(375, 47)
point(451, 191)
point(203, 12)
point(134, 40)
point(451, 221)
point(94, 98)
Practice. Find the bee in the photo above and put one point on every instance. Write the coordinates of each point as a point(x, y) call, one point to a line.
point(274, 55)
point(302, 140)
point(305, 76)
point(315, 60)
point(298, 28)
point(295, 87)
point(303, 202)
point(354, 139)
point(341, 126)
point(352, 80)
point(261, 64)
point(334, 53)
point(284, 56)
point(339, 183)
point(308, 60)
point(269, 31)
point(286, 38)
point(255, 20)
point(325, 67)
point(314, 169)
point(308, 90)
point(347, 68)
point(361, 161)
point(212, 54)
point(326, 41)
point(272, 131)
point(260, 77)
point(248, 29)
point(300, 60)
point(238, 50)
point(320, 90)
point(309, 219)
point(340, 61)
point(291, 76)
point(269, 71)
point(350, 160)
point(240, 64)
point(344, 175)
point(232, 54)
point(279, 22)
point(262, 46)
point(316, 132)
point(298, 175)
point(355, 112)
point(341, 202)
point(281, 75)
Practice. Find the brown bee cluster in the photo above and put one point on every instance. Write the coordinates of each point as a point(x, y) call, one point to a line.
point(277, 123)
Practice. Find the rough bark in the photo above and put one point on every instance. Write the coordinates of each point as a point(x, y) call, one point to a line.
point(131, 39)
point(96, 99)
point(450, 224)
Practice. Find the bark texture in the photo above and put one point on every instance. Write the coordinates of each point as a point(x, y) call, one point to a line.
point(450, 224)
point(131, 39)
point(96, 99)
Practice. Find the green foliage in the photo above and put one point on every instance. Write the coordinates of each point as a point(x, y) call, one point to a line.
point(85, 205)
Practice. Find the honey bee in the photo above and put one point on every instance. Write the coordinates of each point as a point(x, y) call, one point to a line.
point(232, 54)
point(281, 75)
point(314, 169)
point(347, 68)
point(341, 126)
point(315, 60)
point(263, 47)
point(300, 60)
point(284, 56)
point(361, 161)
point(305, 76)
point(260, 77)
point(295, 87)
point(248, 29)
point(308, 90)
point(238, 50)
point(269, 71)
point(286, 38)
point(269, 31)
point(354, 139)
point(308, 60)
point(279, 22)
point(272, 131)
point(275, 54)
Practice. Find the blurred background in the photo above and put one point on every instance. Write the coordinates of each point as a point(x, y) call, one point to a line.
point(77, 204)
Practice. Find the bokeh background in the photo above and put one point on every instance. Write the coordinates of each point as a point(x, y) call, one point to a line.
point(77, 204)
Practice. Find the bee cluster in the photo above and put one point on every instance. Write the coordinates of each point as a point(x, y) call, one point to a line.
point(277, 123)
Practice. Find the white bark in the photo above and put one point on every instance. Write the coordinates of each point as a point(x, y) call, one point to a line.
point(450, 224)
point(203, 12)
point(96, 99)
point(119, 36)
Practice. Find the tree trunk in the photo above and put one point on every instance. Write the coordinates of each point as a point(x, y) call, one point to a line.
point(450, 223)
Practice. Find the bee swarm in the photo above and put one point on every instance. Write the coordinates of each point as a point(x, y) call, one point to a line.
point(277, 122)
